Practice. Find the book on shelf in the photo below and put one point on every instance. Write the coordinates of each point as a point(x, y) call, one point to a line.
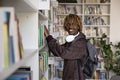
point(28, 74)
point(95, 31)
point(41, 35)
point(92, 1)
point(58, 72)
point(95, 20)
point(96, 9)
point(78, 9)
point(44, 78)
point(51, 71)
point(21, 75)
point(21, 48)
point(67, 1)
point(24, 75)
point(101, 75)
point(41, 66)
point(67, 9)
point(17, 78)
point(97, 75)
point(58, 67)
point(43, 63)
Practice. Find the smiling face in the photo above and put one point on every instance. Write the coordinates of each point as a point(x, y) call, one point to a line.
point(72, 28)
point(72, 24)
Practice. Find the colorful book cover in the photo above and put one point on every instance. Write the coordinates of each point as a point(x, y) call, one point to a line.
point(18, 77)
point(29, 74)
point(12, 54)
point(103, 75)
point(41, 35)
point(41, 68)
point(6, 38)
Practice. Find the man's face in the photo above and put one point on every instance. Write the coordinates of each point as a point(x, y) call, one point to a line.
point(72, 28)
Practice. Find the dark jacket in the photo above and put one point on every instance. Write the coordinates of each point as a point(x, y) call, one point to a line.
point(70, 52)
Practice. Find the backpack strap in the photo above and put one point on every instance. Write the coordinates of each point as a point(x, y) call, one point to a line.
point(79, 60)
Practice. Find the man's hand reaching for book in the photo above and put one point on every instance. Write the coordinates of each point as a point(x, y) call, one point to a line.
point(46, 32)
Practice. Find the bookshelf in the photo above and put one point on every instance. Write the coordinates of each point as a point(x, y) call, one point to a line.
point(29, 16)
point(4, 74)
point(43, 54)
point(95, 14)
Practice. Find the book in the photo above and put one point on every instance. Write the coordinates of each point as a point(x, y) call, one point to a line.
point(6, 37)
point(16, 78)
point(28, 74)
point(67, 1)
point(103, 75)
point(41, 65)
point(20, 43)
point(14, 33)
point(41, 34)
point(21, 74)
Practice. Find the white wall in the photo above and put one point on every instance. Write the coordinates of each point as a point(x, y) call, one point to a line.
point(115, 21)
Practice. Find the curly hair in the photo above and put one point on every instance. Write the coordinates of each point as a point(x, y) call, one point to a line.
point(72, 18)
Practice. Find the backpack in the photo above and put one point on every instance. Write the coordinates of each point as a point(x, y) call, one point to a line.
point(90, 65)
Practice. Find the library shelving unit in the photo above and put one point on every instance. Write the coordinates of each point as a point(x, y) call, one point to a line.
point(43, 54)
point(95, 15)
point(29, 16)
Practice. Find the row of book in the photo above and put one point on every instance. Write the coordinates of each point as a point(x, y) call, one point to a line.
point(43, 64)
point(88, 9)
point(51, 72)
point(23, 73)
point(85, 1)
point(67, 9)
point(96, 20)
point(96, 1)
point(95, 31)
point(56, 69)
point(88, 20)
point(93, 9)
point(67, 1)
point(100, 75)
point(101, 63)
point(11, 47)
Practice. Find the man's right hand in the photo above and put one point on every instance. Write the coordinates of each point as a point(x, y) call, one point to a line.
point(46, 32)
